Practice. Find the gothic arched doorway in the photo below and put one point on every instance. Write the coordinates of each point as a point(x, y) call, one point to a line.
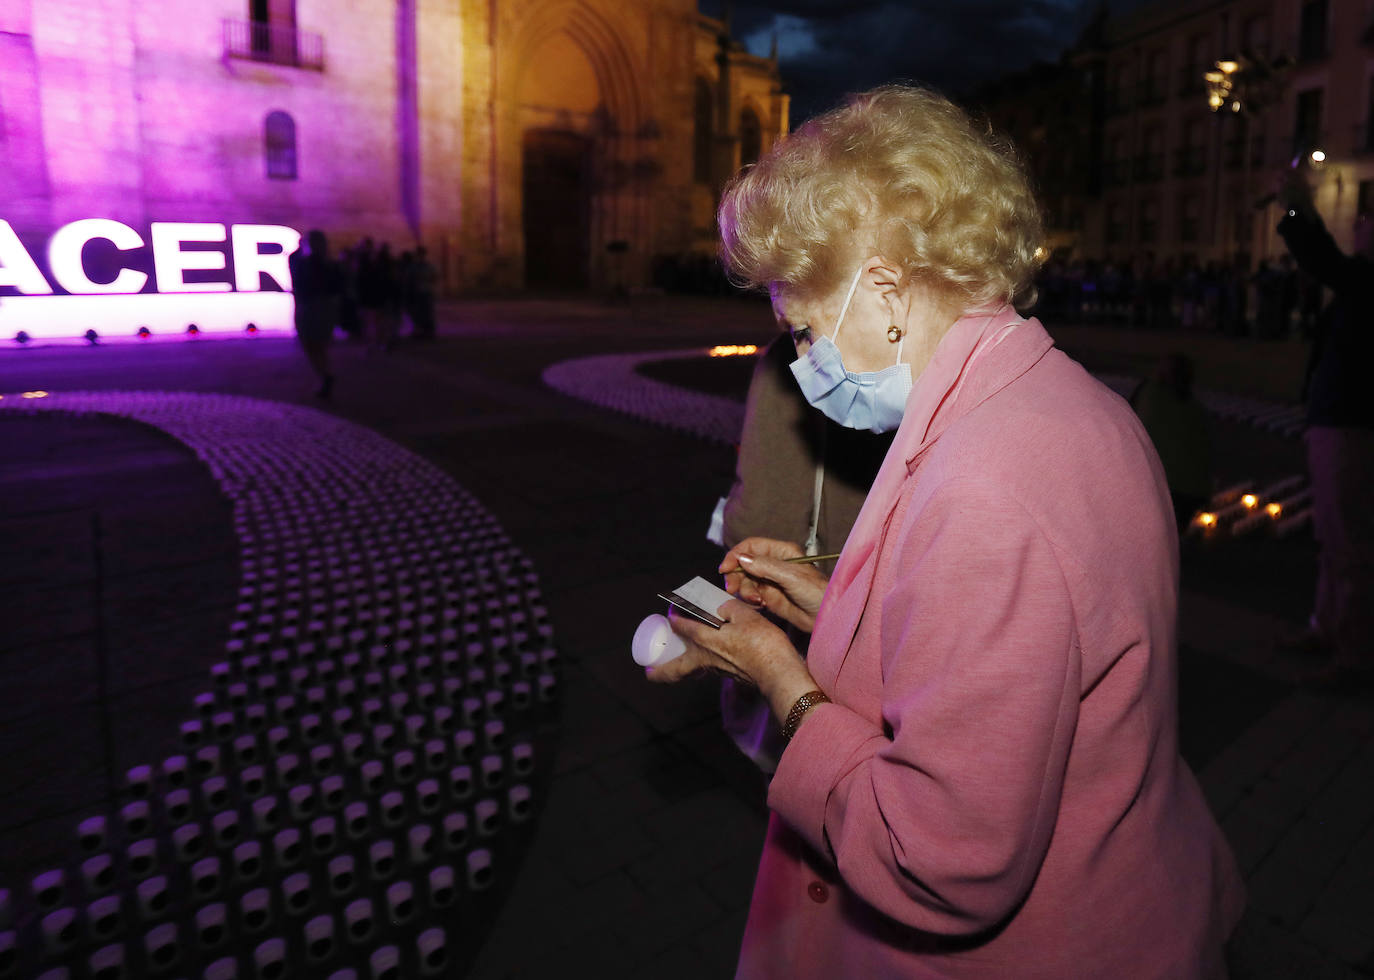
point(556, 197)
point(559, 96)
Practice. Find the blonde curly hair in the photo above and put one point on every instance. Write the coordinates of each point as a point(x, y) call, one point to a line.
point(899, 170)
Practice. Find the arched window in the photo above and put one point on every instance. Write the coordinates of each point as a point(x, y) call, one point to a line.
point(279, 143)
point(750, 137)
point(702, 133)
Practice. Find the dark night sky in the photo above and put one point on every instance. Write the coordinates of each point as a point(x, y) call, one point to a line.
point(829, 47)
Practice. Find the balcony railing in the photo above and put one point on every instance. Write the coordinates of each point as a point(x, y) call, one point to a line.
point(1151, 92)
point(1189, 161)
point(274, 44)
point(1116, 173)
point(1149, 166)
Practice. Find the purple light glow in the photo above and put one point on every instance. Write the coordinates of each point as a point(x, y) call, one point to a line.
point(69, 317)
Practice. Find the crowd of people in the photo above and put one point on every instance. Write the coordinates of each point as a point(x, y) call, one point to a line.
point(367, 292)
point(1275, 301)
point(381, 292)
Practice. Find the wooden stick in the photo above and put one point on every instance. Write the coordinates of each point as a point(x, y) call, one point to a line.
point(799, 560)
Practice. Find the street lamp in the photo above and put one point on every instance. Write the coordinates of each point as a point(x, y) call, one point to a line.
point(1246, 85)
point(1221, 86)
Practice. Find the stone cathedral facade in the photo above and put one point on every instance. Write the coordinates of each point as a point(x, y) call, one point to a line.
point(563, 144)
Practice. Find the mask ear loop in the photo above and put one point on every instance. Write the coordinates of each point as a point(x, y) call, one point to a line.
point(848, 297)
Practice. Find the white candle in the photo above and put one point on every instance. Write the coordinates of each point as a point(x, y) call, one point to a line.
point(655, 643)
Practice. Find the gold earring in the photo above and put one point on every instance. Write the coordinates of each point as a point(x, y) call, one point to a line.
point(894, 334)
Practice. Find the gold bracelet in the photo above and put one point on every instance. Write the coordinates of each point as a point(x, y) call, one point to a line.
point(804, 704)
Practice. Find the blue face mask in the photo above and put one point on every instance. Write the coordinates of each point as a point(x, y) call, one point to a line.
point(873, 400)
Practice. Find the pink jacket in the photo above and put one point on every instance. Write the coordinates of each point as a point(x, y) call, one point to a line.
point(997, 791)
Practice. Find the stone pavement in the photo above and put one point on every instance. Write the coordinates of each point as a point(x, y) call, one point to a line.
point(645, 848)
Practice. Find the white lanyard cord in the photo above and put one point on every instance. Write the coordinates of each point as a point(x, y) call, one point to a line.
point(813, 539)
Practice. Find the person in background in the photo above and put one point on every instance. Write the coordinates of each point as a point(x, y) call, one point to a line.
point(981, 776)
point(349, 320)
point(1340, 441)
point(798, 477)
point(1177, 424)
point(1268, 283)
point(387, 285)
point(1288, 295)
point(317, 283)
point(404, 265)
point(369, 289)
point(421, 282)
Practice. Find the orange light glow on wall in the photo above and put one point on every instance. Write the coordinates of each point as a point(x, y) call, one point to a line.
point(733, 350)
point(1273, 510)
point(1250, 501)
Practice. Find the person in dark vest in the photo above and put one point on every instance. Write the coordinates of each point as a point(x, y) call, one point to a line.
point(317, 282)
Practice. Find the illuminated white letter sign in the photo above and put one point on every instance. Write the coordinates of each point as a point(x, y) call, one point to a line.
point(64, 256)
point(17, 269)
point(250, 260)
point(130, 302)
point(171, 264)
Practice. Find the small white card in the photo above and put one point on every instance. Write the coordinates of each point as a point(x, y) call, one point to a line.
point(700, 600)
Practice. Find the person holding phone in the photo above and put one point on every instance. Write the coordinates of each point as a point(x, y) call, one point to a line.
point(1340, 441)
point(981, 775)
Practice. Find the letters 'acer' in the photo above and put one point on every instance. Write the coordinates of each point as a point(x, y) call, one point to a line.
point(170, 259)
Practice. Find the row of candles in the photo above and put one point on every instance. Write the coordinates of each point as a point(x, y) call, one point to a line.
point(1241, 508)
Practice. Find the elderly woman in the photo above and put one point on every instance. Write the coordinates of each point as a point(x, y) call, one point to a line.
point(982, 776)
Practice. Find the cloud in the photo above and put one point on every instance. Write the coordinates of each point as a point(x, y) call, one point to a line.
point(827, 49)
point(796, 37)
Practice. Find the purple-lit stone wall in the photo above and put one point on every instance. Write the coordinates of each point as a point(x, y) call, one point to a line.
point(133, 112)
point(409, 127)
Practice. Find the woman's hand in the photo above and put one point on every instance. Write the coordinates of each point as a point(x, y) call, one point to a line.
point(758, 575)
point(748, 648)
